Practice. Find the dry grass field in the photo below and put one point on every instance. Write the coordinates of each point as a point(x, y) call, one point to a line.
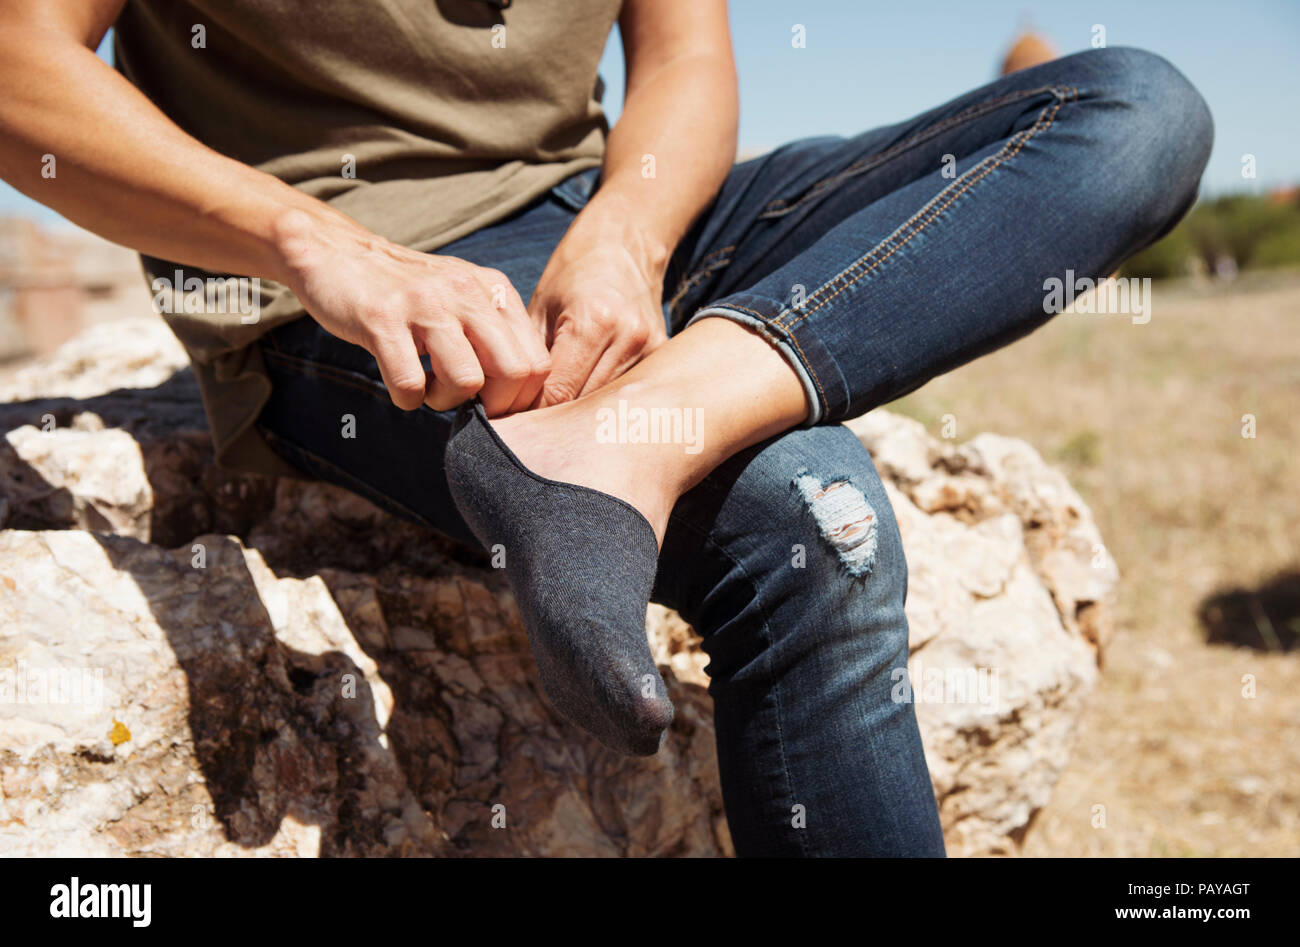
point(1147, 421)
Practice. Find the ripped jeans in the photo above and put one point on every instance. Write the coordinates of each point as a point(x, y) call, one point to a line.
point(874, 263)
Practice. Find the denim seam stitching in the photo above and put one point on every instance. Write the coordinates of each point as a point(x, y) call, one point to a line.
point(782, 206)
point(697, 278)
point(1010, 150)
point(767, 653)
point(705, 266)
point(952, 192)
point(862, 164)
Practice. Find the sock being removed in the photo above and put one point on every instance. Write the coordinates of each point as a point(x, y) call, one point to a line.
point(581, 564)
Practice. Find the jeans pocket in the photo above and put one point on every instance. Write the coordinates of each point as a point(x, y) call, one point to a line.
point(576, 190)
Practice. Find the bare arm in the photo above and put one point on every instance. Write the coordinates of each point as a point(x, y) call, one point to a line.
point(681, 108)
point(665, 160)
point(128, 173)
point(124, 170)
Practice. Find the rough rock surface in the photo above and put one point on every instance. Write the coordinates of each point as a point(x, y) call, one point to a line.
point(202, 663)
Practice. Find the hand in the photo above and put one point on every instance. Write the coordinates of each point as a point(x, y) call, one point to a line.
point(600, 307)
point(399, 304)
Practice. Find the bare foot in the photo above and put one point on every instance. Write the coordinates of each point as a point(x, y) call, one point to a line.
point(651, 435)
point(639, 452)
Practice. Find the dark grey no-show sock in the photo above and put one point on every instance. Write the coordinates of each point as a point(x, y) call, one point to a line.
point(581, 564)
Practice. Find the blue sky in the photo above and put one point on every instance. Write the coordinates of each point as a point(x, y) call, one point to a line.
point(870, 63)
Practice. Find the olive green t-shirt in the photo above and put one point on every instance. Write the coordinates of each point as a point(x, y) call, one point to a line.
point(423, 120)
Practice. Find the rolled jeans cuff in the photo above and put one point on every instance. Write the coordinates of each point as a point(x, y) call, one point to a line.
point(810, 361)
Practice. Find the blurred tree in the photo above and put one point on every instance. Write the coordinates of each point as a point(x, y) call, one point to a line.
point(1252, 232)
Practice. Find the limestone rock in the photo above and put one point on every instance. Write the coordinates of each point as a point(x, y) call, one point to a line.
point(261, 667)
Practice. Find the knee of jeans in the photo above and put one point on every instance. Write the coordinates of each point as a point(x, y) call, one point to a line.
point(792, 551)
point(1155, 137)
point(839, 547)
point(846, 579)
point(840, 530)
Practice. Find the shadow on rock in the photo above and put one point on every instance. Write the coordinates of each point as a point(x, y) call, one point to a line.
point(343, 669)
point(275, 731)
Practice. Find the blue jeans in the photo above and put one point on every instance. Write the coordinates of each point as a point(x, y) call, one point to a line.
point(874, 263)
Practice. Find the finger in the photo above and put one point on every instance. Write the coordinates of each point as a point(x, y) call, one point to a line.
point(505, 298)
point(539, 315)
point(539, 368)
point(399, 365)
point(505, 362)
point(573, 356)
point(612, 363)
point(531, 337)
point(657, 337)
point(530, 390)
point(634, 343)
point(510, 306)
point(539, 318)
point(457, 375)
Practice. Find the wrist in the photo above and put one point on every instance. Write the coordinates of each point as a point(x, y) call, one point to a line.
point(608, 219)
point(300, 238)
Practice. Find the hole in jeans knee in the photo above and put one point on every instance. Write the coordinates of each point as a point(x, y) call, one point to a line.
point(846, 520)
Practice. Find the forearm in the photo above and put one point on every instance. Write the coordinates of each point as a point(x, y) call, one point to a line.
point(667, 156)
point(123, 170)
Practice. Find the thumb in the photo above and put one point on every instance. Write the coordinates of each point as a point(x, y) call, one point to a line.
point(573, 358)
